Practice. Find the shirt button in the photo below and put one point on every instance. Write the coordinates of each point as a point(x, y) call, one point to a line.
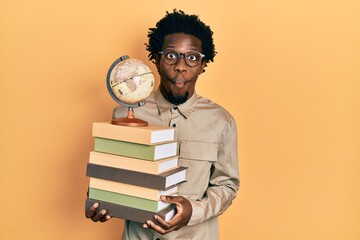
point(174, 125)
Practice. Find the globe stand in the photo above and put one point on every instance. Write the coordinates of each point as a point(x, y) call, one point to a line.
point(130, 120)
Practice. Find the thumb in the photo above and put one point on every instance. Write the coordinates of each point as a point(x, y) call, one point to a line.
point(168, 199)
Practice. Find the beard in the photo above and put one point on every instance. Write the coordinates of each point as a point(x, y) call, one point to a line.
point(177, 99)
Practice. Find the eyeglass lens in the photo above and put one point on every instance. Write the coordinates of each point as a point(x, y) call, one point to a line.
point(192, 58)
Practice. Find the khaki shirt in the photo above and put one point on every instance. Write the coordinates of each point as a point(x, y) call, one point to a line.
point(207, 138)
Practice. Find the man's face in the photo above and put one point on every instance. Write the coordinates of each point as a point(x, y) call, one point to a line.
point(178, 80)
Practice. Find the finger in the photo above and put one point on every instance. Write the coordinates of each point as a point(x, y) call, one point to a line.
point(168, 199)
point(91, 211)
point(105, 218)
point(99, 215)
point(152, 225)
point(163, 223)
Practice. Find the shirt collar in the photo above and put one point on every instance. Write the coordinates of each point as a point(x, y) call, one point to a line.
point(185, 109)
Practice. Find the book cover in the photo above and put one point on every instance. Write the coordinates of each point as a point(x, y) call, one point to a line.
point(144, 135)
point(127, 200)
point(132, 214)
point(161, 181)
point(134, 164)
point(132, 190)
point(135, 150)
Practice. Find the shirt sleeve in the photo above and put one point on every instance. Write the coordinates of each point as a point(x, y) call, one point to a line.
point(224, 179)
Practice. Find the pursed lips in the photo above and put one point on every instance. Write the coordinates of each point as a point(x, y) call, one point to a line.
point(180, 82)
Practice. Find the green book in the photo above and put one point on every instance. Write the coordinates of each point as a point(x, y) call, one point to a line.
point(136, 150)
point(127, 200)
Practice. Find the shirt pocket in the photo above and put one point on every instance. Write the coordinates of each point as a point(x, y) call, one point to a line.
point(199, 158)
point(202, 151)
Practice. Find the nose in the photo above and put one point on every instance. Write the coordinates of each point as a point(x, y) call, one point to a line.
point(181, 65)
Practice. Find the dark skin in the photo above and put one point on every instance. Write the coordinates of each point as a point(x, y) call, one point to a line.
point(178, 80)
point(99, 217)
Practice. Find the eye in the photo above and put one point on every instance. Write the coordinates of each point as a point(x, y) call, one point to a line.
point(192, 57)
point(170, 55)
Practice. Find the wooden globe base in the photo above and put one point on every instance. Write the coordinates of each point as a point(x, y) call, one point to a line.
point(130, 120)
point(135, 122)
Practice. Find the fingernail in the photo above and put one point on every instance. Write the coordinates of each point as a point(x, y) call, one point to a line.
point(145, 226)
point(156, 217)
point(96, 205)
point(107, 217)
point(103, 212)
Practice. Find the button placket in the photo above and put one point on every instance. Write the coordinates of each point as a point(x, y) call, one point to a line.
point(175, 117)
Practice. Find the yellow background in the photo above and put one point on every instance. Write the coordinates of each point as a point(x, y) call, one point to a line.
point(288, 71)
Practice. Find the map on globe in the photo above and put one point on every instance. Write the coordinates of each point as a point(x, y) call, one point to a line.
point(131, 81)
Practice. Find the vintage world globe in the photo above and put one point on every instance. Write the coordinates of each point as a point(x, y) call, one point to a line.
point(129, 81)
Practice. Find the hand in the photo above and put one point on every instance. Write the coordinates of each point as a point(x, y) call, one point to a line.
point(182, 217)
point(100, 216)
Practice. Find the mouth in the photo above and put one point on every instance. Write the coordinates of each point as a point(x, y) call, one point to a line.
point(180, 82)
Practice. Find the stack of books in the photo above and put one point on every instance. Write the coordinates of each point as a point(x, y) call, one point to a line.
point(130, 168)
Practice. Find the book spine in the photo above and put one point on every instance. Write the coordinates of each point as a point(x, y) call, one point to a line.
point(132, 214)
point(126, 176)
point(134, 164)
point(127, 200)
point(148, 135)
point(117, 161)
point(135, 150)
point(121, 133)
point(132, 190)
point(154, 181)
point(126, 149)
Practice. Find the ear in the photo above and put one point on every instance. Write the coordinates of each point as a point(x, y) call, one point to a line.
point(202, 69)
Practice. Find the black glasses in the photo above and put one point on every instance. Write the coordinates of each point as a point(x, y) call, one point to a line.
point(172, 57)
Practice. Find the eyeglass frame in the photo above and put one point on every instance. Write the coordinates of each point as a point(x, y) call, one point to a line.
point(179, 56)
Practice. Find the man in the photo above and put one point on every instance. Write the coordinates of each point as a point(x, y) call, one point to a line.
point(181, 46)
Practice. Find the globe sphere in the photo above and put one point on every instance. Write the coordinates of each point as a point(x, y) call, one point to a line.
point(130, 81)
